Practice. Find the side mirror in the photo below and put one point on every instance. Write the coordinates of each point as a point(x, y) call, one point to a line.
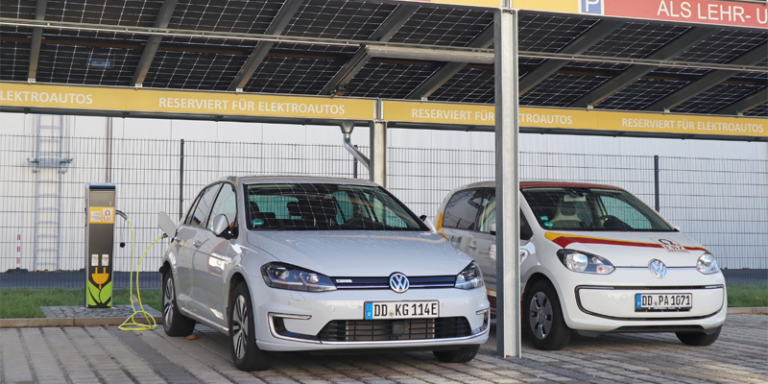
point(492, 229)
point(429, 223)
point(166, 224)
point(677, 228)
point(219, 225)
point(423, 218)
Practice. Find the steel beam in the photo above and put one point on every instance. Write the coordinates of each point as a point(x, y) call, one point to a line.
point(385, 32)
point(378, 159)
point(710, 80)
point(37, 41)
point(278, 25)
point(449, 70)
point(577, 47)
point(507, 186)
point(631, 74)
point(148, 54)
point(746, 104)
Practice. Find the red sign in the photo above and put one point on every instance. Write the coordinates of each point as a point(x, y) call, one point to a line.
point(750, 15)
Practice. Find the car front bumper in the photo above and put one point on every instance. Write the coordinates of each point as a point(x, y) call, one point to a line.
point(292, 321)
point(599, 304)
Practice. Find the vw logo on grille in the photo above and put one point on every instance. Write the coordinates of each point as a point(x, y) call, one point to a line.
point(399, 282)
point(658, 268)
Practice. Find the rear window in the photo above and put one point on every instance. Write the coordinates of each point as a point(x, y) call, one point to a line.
point(326, 207)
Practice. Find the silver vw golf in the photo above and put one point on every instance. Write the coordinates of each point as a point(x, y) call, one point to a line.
point(310, 264)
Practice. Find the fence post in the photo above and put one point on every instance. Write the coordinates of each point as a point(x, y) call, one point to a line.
point(656, 182)
point(181, 180)
point(354, 166)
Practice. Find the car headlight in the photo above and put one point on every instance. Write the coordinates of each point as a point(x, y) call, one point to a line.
point(471, 277)
point(585, 262)
point(707, 264)
point(286, 276)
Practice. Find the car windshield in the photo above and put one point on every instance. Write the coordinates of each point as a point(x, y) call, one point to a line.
point(592, 209)
point(310, 206)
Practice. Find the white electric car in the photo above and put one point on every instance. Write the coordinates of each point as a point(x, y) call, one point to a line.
point(594, 259)
point(314, 264)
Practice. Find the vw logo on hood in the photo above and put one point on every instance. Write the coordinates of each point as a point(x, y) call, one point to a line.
point(399, 282)
point(657, 268)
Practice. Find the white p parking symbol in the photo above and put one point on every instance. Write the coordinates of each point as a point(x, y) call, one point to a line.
point(594, 7)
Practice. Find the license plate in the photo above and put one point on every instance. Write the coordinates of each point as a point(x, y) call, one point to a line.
point(663, 302)
point(401, 310)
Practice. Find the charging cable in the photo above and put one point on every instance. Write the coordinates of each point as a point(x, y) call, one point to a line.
point(130, 323)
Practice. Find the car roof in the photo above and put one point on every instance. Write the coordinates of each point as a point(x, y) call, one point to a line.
point(535, 183)
point(259, 179)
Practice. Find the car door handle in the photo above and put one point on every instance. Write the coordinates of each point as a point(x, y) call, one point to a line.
point(197, 244)
point(472, 245)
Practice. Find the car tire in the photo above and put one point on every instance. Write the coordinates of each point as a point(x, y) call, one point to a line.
point(461, 355)
point(242, 333)
point(543, 317)
point(698, 339)
point(174, 323)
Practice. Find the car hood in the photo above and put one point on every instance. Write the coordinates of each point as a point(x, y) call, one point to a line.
point(633, 249)
point(363, 253)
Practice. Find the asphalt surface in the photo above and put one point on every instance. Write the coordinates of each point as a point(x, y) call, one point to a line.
point(107, 355)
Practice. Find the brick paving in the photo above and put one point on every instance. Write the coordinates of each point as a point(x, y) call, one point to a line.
point(107, 355)
point(83, 312)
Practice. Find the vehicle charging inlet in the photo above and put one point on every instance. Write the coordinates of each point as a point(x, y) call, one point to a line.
point(99, 241)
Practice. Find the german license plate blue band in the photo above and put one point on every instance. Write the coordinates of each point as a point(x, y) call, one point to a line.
point(368, 311)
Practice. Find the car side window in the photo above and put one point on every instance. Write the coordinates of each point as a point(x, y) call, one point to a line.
point(200, 217)
point(461, 210)
point(488, 217)
point(191, 211)
point(226, 204)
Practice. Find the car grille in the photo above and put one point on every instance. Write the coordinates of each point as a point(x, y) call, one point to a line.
point(416, 282)
point(382, 330)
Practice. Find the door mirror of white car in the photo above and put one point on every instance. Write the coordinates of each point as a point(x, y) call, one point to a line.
point(166, 224)
point(677, 228)
point(492, 229)
point(219, 224)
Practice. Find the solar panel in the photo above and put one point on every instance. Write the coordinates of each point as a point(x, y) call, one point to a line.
point(759, 111)
point(193, 70)
point(470, 85)
point(22, 9)
point(641, 94)
point(559, 90)
point(128, 12)
point(225, 15)
point(724, 46)
point(14, 61)
point(292, 75)
point(338, 19)
point(388, 81)
point(636, 40)
point(86, 65)
point(717, 98)
point(444, 26)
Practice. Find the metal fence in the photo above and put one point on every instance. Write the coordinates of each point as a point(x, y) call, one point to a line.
point(721, 203)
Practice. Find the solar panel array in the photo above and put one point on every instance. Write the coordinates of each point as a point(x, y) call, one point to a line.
point(108, 58)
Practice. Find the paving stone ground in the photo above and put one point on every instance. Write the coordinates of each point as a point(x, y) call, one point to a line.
point(107, 355)
point(83, 312)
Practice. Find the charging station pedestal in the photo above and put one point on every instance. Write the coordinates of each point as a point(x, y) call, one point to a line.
point(99, 244)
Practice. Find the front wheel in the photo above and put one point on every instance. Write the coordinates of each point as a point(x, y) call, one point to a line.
point(245, 354)
point(543, 318)
point(699, 339)
point(174, 323)
point(461, 355)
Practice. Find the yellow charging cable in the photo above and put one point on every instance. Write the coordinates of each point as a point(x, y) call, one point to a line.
point(130, 323)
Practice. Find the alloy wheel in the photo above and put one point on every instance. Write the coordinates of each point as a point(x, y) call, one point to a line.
point(541, 315)
point(168, 302)
point(240, 327)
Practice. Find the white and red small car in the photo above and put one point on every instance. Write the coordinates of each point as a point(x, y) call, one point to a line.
point(594, 259)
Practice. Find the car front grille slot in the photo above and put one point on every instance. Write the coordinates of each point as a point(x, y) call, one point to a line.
point(386, 330)
point(416, 282)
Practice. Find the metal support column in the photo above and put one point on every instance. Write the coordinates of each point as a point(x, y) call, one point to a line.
point(656, 189)
point(181, 179)
point(507, 185)
point(378, 168)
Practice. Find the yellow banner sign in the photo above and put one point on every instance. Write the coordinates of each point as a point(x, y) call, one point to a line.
point(183, 102)
point(484, 115)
